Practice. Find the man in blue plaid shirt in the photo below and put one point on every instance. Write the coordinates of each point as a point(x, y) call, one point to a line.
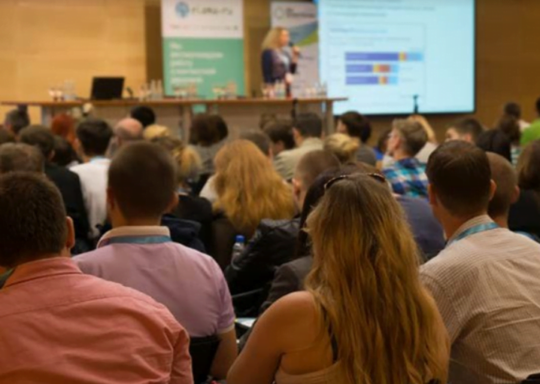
point(407, 174)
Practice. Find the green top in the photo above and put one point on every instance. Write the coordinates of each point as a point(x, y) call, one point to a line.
point(532, 133)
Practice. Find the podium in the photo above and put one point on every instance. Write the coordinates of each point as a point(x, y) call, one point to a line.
point(240, 114)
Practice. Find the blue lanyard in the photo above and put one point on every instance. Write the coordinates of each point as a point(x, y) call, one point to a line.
point(137, 240)
point(473, 231)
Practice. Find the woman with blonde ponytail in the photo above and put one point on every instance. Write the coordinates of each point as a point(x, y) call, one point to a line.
point(364, 317)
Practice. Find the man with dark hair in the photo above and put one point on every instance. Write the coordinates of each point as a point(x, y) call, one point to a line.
point(407, 175)
point(533, 132)
point(356, 125)
point(467, 129)
point(16, 119)
point(52, 311)
point(20, 157)
point(307, 132)
point(67, 182)
point(513, 110)
point(485, 282)
point(145, 115)
point(93, 138)
point(140, 254)
point(280, 133)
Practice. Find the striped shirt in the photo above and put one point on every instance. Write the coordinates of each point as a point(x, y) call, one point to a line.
point(408, 177)
point(487, 288)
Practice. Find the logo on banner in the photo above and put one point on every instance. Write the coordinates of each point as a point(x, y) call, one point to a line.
point(291, 13)
point(182, 9)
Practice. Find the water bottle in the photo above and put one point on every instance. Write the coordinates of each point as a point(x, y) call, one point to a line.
point(238, 247)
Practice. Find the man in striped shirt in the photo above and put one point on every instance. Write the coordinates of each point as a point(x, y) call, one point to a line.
point(486, 281)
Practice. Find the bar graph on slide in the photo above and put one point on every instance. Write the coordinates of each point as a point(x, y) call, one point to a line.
point(380, 68)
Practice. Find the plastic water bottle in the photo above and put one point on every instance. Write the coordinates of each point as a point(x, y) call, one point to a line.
point(238, 247)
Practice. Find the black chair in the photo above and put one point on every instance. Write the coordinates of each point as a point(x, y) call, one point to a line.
point(248, 304)
point(202, 351)
point(532, 379)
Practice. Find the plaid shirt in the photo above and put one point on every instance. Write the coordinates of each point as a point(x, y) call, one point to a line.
point(408, 177)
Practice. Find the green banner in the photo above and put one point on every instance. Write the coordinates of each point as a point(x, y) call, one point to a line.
point(208, 63)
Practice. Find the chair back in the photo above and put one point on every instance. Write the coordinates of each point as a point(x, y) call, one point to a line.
point(532, 379)
point(202, 351)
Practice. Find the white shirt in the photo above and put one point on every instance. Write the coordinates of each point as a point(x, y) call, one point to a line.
point(487, 288)
point(209, 191)
point(94, 175)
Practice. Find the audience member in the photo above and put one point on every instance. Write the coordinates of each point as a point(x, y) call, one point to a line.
point(382, 146)
point(145, 115)
point(65, 327)
point(344, 147)
point(357, 126)
point(308, 337)
point(274, 241)
point(533, 132)
point(485, 282)
point(525, 212)
point(495, 141)
point(260, 139)
point(431, 144)
point(281, 136)
point(467, 129)
point(125, 131)
point(248, 190)
point(66, 181)
point(208, 135)
point(509, 125)
point(17, 119)
point(6, 136)
point(407, 175)
point(307, 132)
point(513, 109)
point(63, 125)
point(93, 138)
point(507, 192)
point(64, 155)
point(156, 131)
point(138, 253)
point(20, 157)
point(190, 207)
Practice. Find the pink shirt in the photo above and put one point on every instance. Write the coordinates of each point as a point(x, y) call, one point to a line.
point(189, 283)
point(58, 325)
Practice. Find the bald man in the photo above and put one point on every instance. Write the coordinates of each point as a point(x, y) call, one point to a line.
point(125, 131)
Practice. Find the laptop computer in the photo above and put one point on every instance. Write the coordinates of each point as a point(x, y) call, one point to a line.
point(107, 88)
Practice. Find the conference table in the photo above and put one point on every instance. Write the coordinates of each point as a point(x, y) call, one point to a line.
point(241, 114)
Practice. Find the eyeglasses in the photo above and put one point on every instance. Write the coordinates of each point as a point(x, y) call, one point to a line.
point(376, 176)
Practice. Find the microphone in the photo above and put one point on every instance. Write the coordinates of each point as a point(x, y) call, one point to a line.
point(292, 45)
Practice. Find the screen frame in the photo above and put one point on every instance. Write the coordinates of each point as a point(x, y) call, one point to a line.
point(434, 113)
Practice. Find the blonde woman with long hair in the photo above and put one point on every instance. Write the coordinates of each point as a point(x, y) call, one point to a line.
point(248, 190)
point(365, 317)
point(277, 63)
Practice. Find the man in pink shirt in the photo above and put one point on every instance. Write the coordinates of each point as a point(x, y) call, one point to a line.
point(58, 325)
point(140, 254)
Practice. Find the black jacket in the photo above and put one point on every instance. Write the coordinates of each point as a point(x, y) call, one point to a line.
point(272, 245)
point(70, 188)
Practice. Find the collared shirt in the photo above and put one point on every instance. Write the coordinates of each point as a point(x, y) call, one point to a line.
point(94, 177)
point(190, 284)
point(487, 289)
point(60, 326)
point(285, 162)
point(408, 177)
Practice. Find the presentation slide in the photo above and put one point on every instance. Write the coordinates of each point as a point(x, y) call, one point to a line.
point(387, 56)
